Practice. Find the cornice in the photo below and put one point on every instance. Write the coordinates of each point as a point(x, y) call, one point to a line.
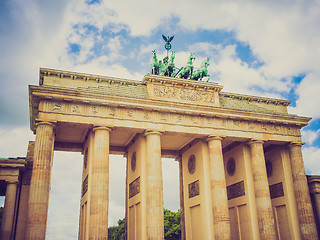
point(84, 77)
point(256, 99)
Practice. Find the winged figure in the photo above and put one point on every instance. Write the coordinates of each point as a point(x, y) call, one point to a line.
point(167, 40)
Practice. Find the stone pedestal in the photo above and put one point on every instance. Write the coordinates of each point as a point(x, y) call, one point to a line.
point(99, 183)
point(221, 220)
point(40, 182)
point(8, 212)
point(262, 194)
point(155, 225)
point(301, 190)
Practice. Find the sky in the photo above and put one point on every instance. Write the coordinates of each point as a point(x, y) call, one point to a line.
point(261, 48)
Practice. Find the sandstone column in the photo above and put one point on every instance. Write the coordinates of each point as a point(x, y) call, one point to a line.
point(301, 190)
point(40, 182)
point(262, 194)
point(182, 216)
point(221, 219)
point(99, 181)
point(8, 211)
point(155, 225)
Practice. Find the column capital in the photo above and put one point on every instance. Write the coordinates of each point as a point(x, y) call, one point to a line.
point(296, 144)
point(214, 137)
point(95, 128)
point(151, 132)
point(253, 141)
point(51, 124)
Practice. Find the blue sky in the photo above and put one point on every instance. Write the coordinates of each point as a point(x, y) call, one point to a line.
point(263, 48)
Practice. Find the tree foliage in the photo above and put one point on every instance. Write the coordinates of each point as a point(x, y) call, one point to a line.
point(117, 232)
point(172, 228)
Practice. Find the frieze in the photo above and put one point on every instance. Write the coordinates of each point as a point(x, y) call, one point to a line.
point(134, 187)
point(180, 119)
point(235, 190)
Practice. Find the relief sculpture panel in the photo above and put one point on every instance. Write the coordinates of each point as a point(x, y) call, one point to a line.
point(183, 94)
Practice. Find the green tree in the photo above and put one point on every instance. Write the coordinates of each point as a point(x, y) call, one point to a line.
point(117, 232)
point(172, 227)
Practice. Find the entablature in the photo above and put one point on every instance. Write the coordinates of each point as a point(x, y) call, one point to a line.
point(54, 104)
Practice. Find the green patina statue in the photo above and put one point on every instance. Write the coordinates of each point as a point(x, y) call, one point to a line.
point(186, 72)
point(167, 40)
point(155, 65)
point(166, 67)
point(202, 72)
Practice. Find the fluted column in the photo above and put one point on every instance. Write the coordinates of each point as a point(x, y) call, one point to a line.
point(155, 225)
point(221, 219)
point(40, 182)
point(182, 215)
point(301, 190)
point(8, 211)
point(262, 194)
point(99, 178)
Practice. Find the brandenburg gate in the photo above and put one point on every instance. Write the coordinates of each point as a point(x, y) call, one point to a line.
point(241, 168)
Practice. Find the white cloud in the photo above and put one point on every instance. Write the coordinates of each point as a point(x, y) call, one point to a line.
point(309, 136)
point(14, 141)
point(308, 92)
point(311, 160)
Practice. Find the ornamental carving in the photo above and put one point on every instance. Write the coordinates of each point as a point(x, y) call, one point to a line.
point(194, 189)
point(235, 190)
point(75, 109)
point(56, 106)
point(94, 110)
point(134, 187)
point(183, 93)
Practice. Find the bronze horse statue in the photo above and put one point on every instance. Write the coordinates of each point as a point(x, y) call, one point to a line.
point(155, 65)
point(202, 72)
point(168, 66)
point(187, 71)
